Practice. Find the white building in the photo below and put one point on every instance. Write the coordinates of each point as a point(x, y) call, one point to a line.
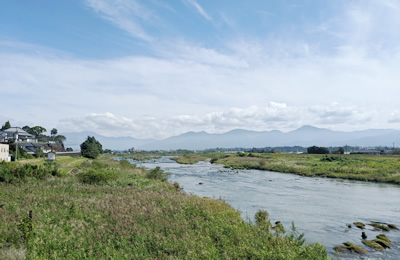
point(12, 132)
point(4, 152)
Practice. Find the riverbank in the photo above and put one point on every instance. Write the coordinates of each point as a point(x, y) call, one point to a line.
point(375, 168)
point(105, 209)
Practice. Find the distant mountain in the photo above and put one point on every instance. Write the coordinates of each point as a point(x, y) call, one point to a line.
point(304, 136)
point(74, 139)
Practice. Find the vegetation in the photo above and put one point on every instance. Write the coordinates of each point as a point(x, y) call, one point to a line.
point(318, 150)
point(157, 174)
point(91, 148)
point(129, 216)
point(6, 126)
point(152, 155)
point(377, 168)
point(13, 172)
point(22, 154)
point(189, 159)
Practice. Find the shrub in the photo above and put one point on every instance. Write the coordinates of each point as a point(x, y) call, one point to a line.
point(261, 217)
point(157, 174)
point(13, 172)
point(92, 176)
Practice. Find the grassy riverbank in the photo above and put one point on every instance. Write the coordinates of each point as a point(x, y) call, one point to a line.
point(189, 159)
point(377, 168)
point(108, 210)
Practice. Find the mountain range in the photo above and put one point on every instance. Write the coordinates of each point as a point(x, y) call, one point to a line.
point(304, 136)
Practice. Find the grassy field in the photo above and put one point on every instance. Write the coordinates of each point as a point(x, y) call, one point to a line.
point(104, 209)
point(377, 168)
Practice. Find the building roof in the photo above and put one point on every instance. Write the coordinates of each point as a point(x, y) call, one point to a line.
point(31, 147)
point(13, 130)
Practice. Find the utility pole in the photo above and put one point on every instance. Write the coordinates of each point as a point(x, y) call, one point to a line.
point(16, 145)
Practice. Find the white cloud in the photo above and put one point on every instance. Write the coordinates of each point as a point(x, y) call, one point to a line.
point(196, 83)
point(192, 87)
point(367, 27)
point(270, 117)
point(199, 9)
point(124, 14)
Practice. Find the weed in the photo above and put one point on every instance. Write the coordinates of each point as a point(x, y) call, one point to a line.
point(157, 174)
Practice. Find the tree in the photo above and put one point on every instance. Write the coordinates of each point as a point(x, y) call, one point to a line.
point(340, 150)
point(317, 150)
point(91, 148)
point(7, 125)
point(53, 132)
point(59, 139)
point(28, 130)
point(38, 130)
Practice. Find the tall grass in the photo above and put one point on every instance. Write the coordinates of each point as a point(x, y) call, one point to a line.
point(130, 217)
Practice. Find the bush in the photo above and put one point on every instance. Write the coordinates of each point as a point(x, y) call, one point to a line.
point(261, 218)
point(92, 176)
point(157, 174)
point(12, 172)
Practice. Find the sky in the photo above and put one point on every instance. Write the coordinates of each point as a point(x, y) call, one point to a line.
point(155, 68)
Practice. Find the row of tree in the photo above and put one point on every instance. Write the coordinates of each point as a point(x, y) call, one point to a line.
point(323, 150)
point(38, 131)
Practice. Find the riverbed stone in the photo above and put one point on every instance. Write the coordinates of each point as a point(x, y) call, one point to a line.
point(383, 237)
point(340, 249)
point(360, 225)
point(355, 248)
point(372, 244)
point(393, 226)
point(378, 227)
point(383, 243)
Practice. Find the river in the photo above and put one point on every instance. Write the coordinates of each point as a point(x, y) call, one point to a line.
point(319, 207)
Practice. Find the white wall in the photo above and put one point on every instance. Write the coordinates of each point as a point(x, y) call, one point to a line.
point(4, 151)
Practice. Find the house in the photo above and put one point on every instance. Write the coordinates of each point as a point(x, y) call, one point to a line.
point(31, 148)
point(4, 152)
point(53, 147)
point(13, 132)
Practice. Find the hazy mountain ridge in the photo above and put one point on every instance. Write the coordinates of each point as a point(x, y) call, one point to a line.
point(74, 139)
point(303, 136)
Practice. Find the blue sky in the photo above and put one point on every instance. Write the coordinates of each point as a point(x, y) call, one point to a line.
point(153, 69)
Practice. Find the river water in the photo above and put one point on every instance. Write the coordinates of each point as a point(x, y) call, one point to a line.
point(319, 207)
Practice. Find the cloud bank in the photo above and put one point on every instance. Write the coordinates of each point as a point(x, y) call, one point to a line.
point(340, 73)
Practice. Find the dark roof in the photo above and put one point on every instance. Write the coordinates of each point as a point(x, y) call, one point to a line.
point(30, 147)
point(13, 130)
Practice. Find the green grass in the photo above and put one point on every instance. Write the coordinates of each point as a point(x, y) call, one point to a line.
point(189, 158)
point(130, 217)
point(376, 168)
